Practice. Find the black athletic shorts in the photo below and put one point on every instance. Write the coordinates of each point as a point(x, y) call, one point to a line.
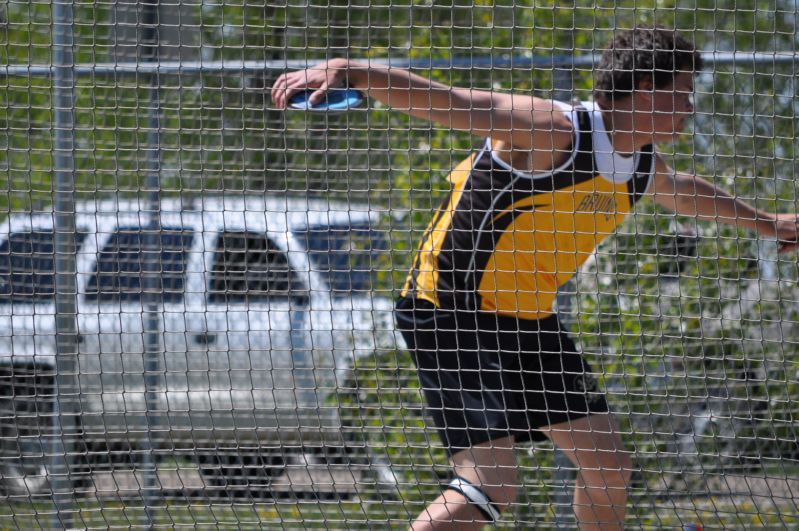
point(487, 376)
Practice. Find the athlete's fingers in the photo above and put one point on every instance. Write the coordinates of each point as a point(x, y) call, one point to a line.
point(319, 94)
point(282, 97)
point(290, 86)
point(277, 88)
point(280, 87)
point(312, 78)
point(273, 91)
point(294, 85)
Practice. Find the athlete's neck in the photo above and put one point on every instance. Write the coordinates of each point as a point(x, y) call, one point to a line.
point(619, 123)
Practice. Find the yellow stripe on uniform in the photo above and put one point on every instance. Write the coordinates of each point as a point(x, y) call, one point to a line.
point(542, 249)
point(430, 246)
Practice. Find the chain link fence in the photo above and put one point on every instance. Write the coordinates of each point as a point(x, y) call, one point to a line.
point(196, 288)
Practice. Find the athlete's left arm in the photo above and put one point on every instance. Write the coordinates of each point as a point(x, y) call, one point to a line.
point(689, 195)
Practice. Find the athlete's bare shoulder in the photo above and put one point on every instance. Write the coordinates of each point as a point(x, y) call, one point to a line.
point(553, 133)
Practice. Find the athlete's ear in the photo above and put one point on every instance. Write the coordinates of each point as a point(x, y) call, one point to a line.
point(642, 95)
point(645, 84)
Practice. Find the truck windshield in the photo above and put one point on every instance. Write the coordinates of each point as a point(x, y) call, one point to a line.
point(349, 256)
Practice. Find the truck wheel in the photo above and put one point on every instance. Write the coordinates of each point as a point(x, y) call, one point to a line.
point(26, 418)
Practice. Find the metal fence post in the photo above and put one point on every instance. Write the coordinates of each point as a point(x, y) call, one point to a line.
point(154, 378)
point(67, 394)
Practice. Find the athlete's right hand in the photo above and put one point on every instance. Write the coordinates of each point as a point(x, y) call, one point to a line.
point(324, 76)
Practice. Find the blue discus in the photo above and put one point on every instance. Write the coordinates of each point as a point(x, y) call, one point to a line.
point(336, 100)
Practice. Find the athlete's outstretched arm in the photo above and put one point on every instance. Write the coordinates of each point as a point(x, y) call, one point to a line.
point(689, 195)
point(523, 121)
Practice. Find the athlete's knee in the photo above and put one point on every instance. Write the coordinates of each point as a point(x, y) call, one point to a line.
point(503, 494)
point(610, 469)
point(492, 467)
point(500, 483)
point(491, 501)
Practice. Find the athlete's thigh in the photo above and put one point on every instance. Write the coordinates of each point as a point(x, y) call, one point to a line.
point(592, 442)
point(492, 465)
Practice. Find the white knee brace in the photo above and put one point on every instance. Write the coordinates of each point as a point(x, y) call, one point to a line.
point(475, 496)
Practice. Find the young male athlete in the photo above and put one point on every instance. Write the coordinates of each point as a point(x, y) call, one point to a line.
point(525, 210)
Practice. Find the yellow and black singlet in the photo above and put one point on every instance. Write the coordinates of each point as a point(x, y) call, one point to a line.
point(503, 241)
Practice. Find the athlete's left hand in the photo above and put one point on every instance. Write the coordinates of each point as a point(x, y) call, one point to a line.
point(786, 229)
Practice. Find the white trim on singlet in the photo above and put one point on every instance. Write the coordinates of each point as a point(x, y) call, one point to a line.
point(649, 183)
point(571, 113)
point(488, 215)
point(610, 165)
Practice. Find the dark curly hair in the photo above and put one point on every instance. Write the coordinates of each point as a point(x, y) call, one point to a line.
point(644, 52)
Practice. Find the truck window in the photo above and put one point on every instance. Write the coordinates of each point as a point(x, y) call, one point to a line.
point(27, 266)
point(130, 253)
point(248, 266)
point(349, 256)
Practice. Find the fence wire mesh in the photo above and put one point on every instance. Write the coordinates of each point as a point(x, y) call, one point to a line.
point(198, 285)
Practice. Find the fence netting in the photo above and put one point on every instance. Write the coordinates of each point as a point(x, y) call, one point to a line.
point(198, 286)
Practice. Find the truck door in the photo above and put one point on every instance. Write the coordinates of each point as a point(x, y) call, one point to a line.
point(258, 370)
point(116, 322)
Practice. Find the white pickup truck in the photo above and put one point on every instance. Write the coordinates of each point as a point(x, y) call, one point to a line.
point(261, 307)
